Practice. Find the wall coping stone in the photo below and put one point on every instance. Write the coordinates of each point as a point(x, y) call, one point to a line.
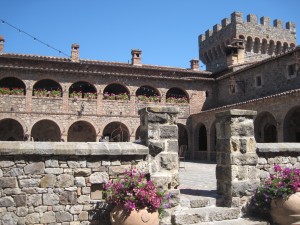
point(277, 147)
point(236, 112)
point(72, 148)
point(160, 109)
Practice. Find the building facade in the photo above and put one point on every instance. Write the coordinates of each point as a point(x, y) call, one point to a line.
point(249, 65)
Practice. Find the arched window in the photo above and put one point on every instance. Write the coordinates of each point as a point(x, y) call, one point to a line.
point(202, 138)
point(12, 86)
point(264, 46)
point(256, 45)
point(46, 130)
point(292, 45)
point(292, 125)
point(116, 132)
point(47, 88)
point(81, 131)
point(285, 47)
point(82, 89)
point(249, 44)
point(271, 47)
point(278, 48)
point(176, 95)
point(265, 128)
point(11, 130)
point(147, 94)
point(116, 92)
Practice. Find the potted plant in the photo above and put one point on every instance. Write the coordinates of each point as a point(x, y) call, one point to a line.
point(5, 91)
point(76, 94)
point(122, 96)
point(17, 91)
point(136, 200)
point(280, 195)
point(40, 92)
point(90, 95)
point(55, 93)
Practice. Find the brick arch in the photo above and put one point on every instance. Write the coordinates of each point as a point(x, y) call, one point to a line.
point(271, 47)
point(181, 89)
point(45, 118)
point(116, 131)
point(116, 92)
point(85, 120)
point(265, 127)
point(124, 122)
point(256, 45)
point(264, 46)
point(156, 89)
point(18, 133)
point(13, 82)
point(43, 133)
point(46, 78)
point(200, 140)
point(46, 86)
point(81, 131)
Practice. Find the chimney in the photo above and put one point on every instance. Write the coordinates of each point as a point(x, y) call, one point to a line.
point(1, 43)
point(194, 64)
point(235, 52)
point(136, 58)
point(75, 52)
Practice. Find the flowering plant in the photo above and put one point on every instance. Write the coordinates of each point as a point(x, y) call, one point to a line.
point(282, 184)
point(55, 93)
point(76, 94)
point(4, 91)
point(135, 191)
point(17, 91)
point(40, 92)
point(144, 98)
point(177, 100)
point(90, 95)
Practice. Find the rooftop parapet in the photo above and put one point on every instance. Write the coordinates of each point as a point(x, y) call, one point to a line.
point(237, 18)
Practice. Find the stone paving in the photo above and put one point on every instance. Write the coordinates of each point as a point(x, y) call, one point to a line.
point(198, 179)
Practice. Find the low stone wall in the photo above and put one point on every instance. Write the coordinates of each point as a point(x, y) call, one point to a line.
point(61, 183)
point(283, 154)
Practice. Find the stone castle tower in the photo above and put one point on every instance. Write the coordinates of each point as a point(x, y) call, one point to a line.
point(236, 42)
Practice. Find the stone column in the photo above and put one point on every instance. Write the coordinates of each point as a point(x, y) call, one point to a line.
point(236, 172)
point(159, 132)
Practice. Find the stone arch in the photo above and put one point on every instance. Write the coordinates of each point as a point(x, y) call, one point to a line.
point(177, 95)
point(291, 126)
point(242, 37)
point(249, 44)
point(256, 46)
point(13, 85)
point(117, 90)
point(278, 48)
point(285, 47)
point(46, 87)
point(264, 46)
point(271, 47)
point(46, 130)
point(116, 132)
point(137, 133)
point(81, 131)
point(82, 89)
point(292, 45)
point(182, 135)
point(265, 128)
point(149, 93)
point(11, 130)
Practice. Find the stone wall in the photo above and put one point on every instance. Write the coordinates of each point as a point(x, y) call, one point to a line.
point(61, 183)
point(283, 154)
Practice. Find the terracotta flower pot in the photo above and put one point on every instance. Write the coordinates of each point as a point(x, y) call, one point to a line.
point(285, 212)
point(136, 217)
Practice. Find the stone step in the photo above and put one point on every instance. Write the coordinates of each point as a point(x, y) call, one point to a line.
point(196, 202)
point(240, 221)
point(184, 216)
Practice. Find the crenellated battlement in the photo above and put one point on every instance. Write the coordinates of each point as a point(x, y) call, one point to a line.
point(261, 39)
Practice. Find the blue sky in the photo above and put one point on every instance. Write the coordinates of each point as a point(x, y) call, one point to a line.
point(165, 30)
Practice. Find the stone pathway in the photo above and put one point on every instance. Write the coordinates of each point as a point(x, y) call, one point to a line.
point(198, 179)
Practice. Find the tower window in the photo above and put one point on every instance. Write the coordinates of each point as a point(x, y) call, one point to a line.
point(258, 81)
point(291, 71)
